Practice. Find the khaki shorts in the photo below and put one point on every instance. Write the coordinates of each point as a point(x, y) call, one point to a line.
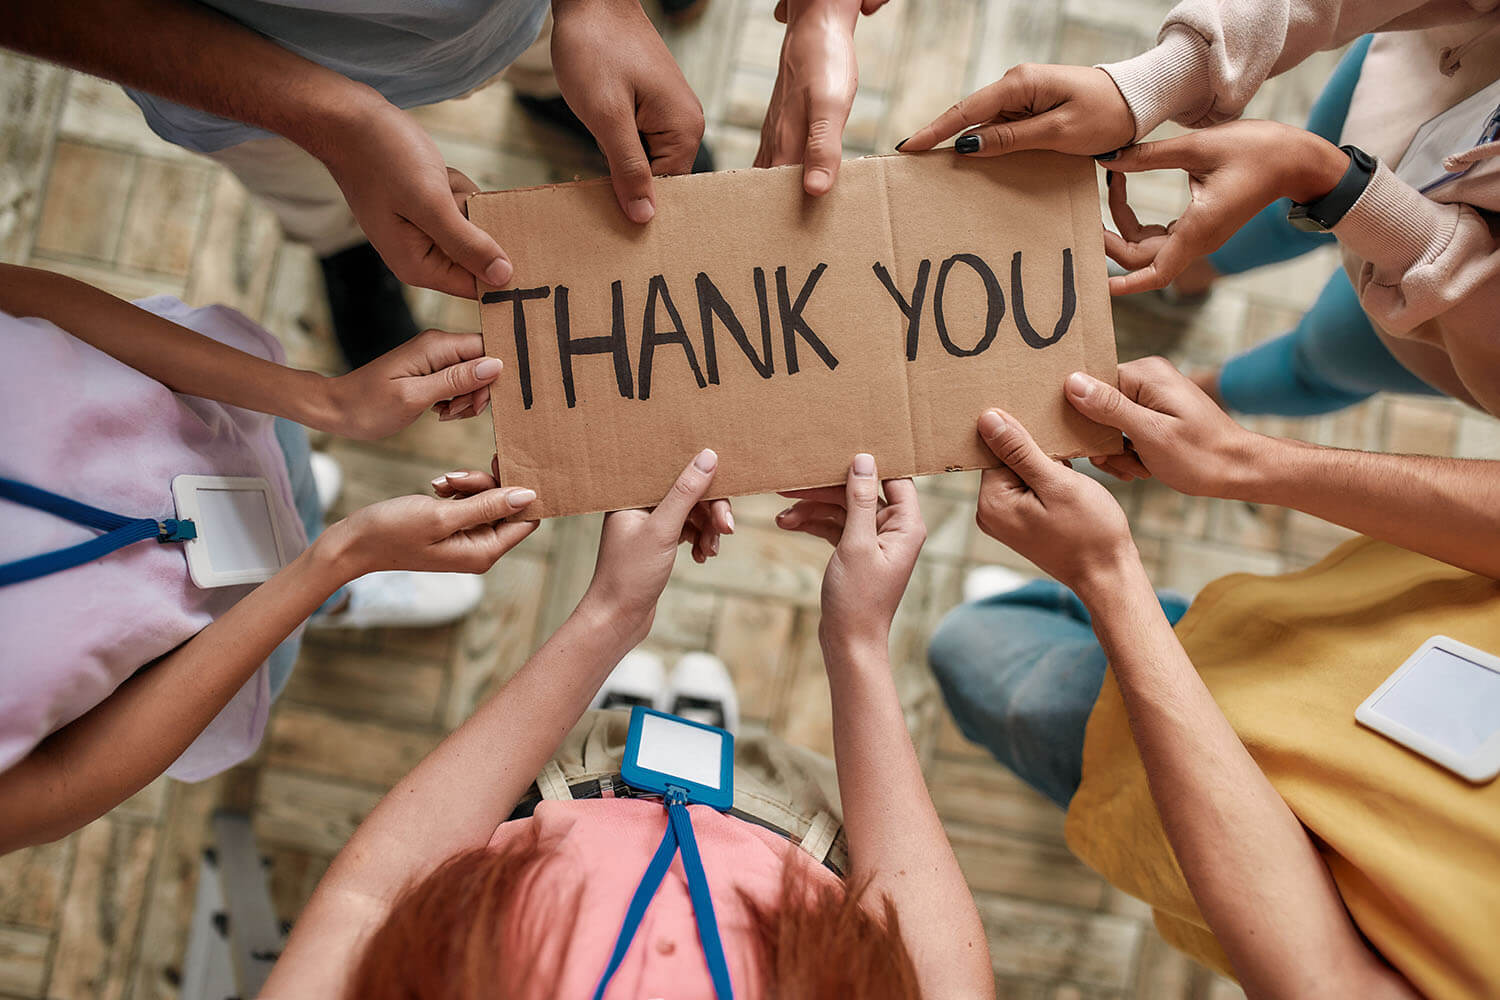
point(787, 788)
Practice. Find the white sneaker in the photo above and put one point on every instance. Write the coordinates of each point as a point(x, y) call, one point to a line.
point(988, 581)
point(328, 478)
point(701, 690)
point(403, 599)
point(638, 679)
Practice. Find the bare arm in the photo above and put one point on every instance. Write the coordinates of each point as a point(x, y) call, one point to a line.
point(102, 758)
point(896, 840)
point(1441, 507)
point(1253, 870)
point(462, 791)
point(1259, 881)
point(193, 55)
point(378, 399)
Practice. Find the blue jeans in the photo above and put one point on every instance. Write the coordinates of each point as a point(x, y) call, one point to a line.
point(297, 452)
point(1333, 358)
point(1020, 672)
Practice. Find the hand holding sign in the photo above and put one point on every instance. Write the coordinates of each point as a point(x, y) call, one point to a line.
point(790, 331)
point(1057, 517)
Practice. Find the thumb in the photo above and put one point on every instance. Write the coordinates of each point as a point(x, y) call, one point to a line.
point(485, 508)
point(691, 486)
point(1103, 403)
point(861, 501)
point(457, 379)
point(825, 144)
point(1014, 446)
point(629, 169)
point(468, 246)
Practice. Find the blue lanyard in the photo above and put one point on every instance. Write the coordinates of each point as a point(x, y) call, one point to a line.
point(119, 531)
point(679, 834)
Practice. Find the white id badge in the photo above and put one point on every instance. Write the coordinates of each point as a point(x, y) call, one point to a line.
point(1472, 122)
point(665, 753)
point(1443, 703)
point(238, 538)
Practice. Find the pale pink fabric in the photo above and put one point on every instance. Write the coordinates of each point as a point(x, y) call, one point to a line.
point(1427, 268)
point(80, 423)
point(602, 847)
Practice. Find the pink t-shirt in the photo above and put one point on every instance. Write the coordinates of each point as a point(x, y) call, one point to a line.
point(604, 846)
point(81, 424)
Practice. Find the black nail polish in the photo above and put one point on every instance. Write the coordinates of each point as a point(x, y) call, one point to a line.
point(1107, 156)
point(1109, 178)
point(967, 144)
point(902, 143)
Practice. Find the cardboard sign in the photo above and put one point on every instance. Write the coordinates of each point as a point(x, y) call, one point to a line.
point(788, 332)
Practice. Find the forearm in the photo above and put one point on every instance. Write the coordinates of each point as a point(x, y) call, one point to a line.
point(1446, 508)
point(1253, 870)
point(193, 55)
point(464, 789)
point(896, 840)
point(107, 755)
point(181, 359)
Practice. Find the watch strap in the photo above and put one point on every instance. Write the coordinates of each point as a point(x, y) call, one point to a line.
point(1327, 211)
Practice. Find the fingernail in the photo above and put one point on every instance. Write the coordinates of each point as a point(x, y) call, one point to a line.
point(520, 498)
point(713, 547)
point(640, 210)
point(991, 424)
point(729, 521)
point(902, 143)
point(499, 271)
point(440, 481)
point(864, 464)
point(1109, 178)
point(967, 144)
point(1080, 385)
point(785, 514)
point(488, 368)
point(456, 475)
point(706, 461)
point(1107, 156)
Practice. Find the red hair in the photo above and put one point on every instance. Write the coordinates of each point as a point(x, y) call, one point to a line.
point(468, 932)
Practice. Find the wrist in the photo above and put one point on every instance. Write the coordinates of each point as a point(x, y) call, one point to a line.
point(315, 401)
point(629, 624)
point(1262, 480)
point(842, 12)
point(336, 553)
point(846, 648)
point(340, 118)
point(1315, 169)
point(1108, 574)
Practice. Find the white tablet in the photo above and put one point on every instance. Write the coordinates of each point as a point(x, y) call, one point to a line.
point(238, 539)
point(1443, 703)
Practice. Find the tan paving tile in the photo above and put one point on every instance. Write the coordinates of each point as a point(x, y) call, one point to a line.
point(1038, 940)
point(84, 205)
point(374, 753)
point(161, 222)
point(994, 861)
point(495, 640)
point(752, 637)
point(355, 682)
point(103, 910)
point(23, 961)
point(238, 242)
point(33, 881)
point(1415, 426)
point(30, 93)
point(309, 813)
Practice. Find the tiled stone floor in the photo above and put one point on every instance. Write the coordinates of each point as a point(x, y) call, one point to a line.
point(87, 190)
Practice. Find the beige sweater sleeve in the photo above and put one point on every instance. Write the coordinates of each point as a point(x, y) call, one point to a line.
point(1213, 55)
point(1421, 261)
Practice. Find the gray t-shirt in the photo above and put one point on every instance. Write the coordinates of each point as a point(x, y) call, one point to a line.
point(414, 52)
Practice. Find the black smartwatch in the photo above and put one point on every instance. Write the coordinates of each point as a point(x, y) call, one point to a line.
point(1323, 214)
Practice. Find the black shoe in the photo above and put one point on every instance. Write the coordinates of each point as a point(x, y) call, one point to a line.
point(370, 315)
point(555, 112)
